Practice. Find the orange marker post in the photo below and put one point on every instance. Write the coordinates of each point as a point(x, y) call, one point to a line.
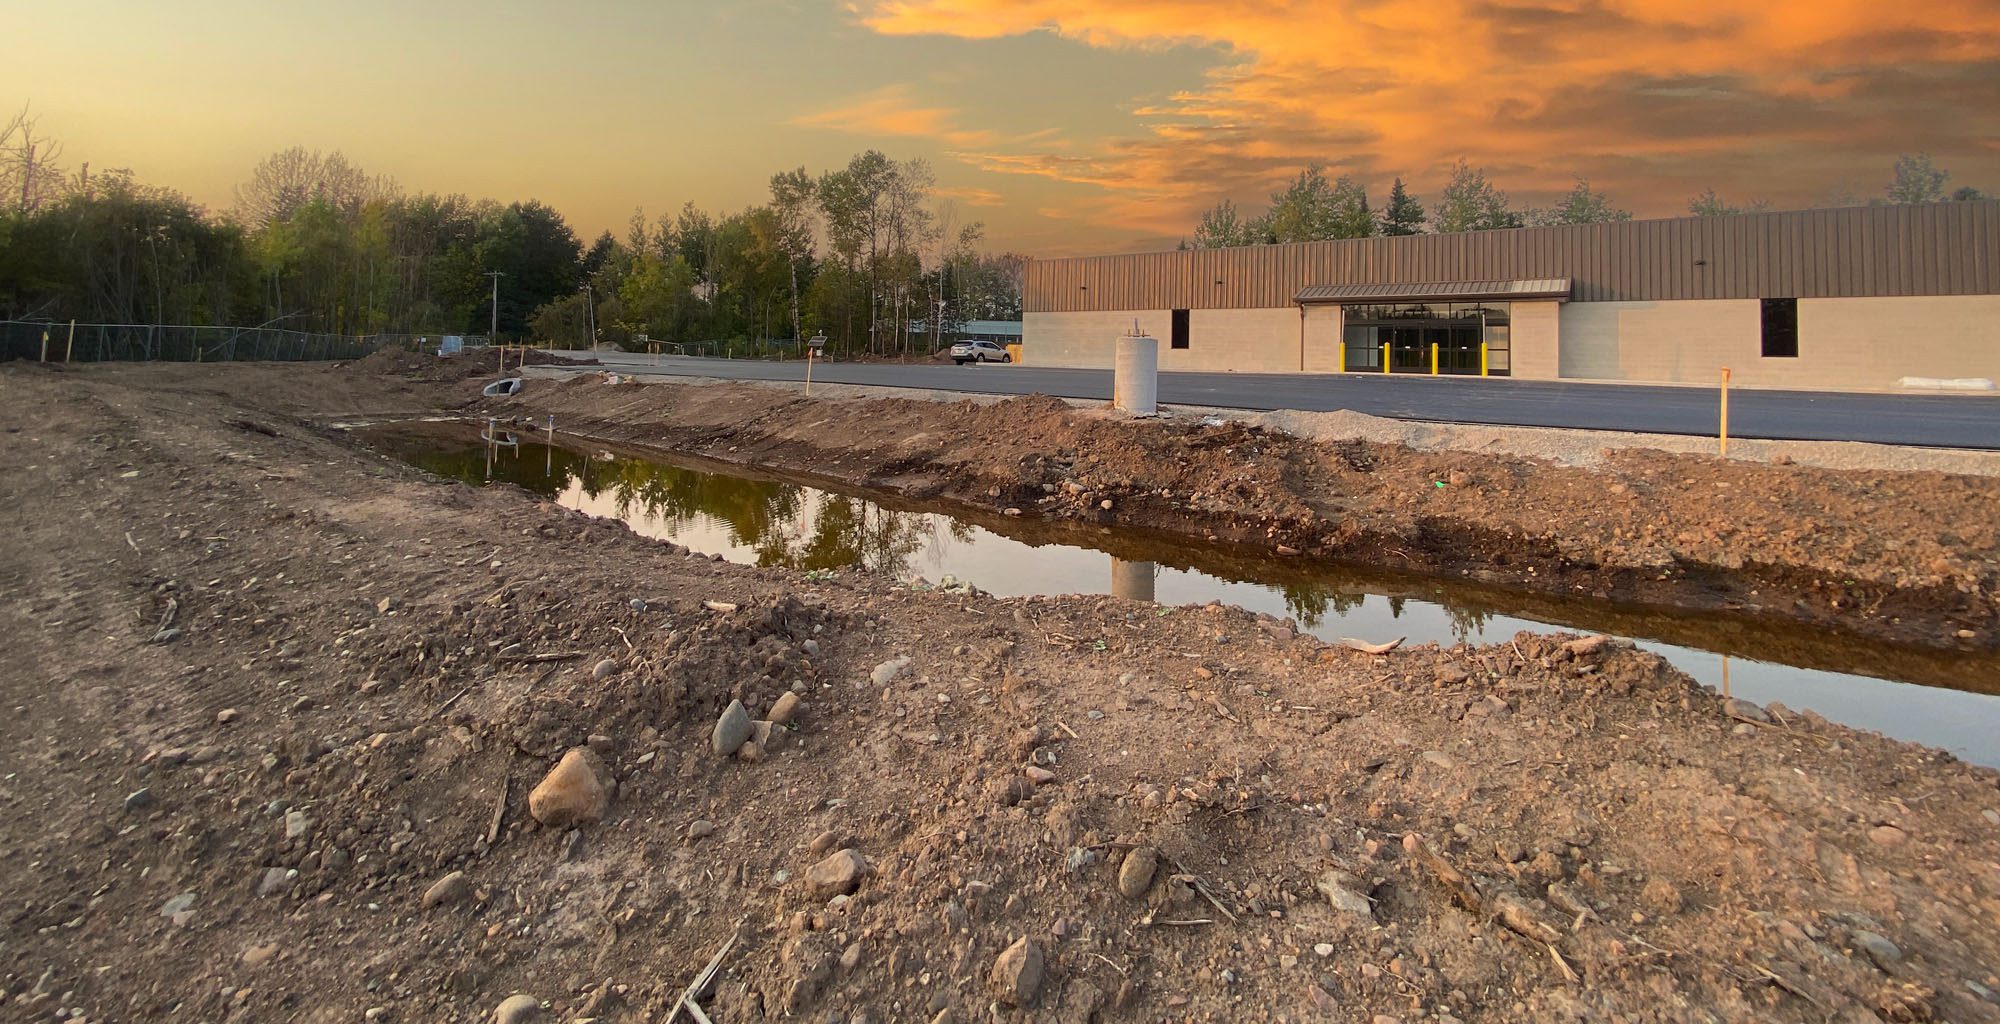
point(1723, 432)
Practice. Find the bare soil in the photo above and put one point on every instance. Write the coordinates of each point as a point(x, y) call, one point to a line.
point(266, 689)
point(1912, 557)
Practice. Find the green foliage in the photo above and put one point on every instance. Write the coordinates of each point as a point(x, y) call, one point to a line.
point(1916, 180)
point(1310, 209)
point(1709, 204)
point(1404, 215)
point(1471, 203)
point(1581, 205)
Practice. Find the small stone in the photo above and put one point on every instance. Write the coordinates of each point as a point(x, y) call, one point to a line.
point(1992, 816)
point(450, 889)
point(750, 752)
point(297, 824)
point(1341, 890)
point(1440, 758)
point(850, 958)
point(1323, 949)
point(572, 793)
point(1038, 775)
point(637, 604)
point(811, 647)
point(227, 715)
point(838, 875)
point(1966, 634)
point(1737, 707)
point(274, 881)
point(1661, 895)
point(518, 1009)
point(139, 799)
point(603, 669)
point(887, 672)
point(733, 729)
point(701, 829)
point(784, 708)
point(823, 842)
point(1017, 973)
point(1743, 729)
point(257, 954)
point(1887, 835)
point(1135, 875)
point(1878, 948)
point(179, 909)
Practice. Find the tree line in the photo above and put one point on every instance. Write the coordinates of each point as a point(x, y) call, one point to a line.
point(865, 254)
point(1312, 208)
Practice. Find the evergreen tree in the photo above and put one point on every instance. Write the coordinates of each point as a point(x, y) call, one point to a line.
point(1404, 215)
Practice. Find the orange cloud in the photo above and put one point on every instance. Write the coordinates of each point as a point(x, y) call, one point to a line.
point(892, 110)
point(1650, 99)
point(970, 195)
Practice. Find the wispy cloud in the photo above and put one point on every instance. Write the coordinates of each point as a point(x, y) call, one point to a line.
point(894, 110)
point(1652, 99)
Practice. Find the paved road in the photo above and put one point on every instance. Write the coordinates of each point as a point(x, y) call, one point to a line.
point(1944, 421)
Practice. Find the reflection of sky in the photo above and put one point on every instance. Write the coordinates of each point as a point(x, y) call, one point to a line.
point(1967, 724)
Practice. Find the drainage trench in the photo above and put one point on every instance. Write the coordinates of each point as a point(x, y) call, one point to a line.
point(1939, 698)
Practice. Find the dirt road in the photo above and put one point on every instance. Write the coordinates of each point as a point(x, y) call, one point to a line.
point(275, 707)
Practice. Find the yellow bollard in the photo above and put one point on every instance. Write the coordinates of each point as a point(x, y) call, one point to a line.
point(1482, 359)
point(1723, 433)
point(1434, 358)
point(1385, 357)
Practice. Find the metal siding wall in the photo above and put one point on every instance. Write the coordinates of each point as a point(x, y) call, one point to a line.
point(1938, 249)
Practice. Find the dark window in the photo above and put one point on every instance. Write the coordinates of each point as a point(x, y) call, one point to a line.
point(1781, 328)
point(1180, 339)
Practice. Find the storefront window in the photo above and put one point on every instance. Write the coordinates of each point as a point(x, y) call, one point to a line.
point(1448, 337)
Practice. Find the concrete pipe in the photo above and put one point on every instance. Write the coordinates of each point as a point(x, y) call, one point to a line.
point(1135, 385)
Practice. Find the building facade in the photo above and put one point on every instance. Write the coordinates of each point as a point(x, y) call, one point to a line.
point(1847, 298)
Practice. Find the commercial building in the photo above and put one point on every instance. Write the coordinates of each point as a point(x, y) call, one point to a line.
point(1846, 298)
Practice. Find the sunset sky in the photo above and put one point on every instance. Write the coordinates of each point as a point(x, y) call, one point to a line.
point(1065, 125)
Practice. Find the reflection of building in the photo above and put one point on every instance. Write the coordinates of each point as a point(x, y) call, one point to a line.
point(1856, 297)
point(1132, 581)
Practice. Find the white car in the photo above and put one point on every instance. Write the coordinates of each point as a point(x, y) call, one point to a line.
point(979, 352)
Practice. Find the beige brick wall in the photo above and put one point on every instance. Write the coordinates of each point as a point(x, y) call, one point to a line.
point(1087, 339)
point(1323, 353)
point(1843, 343)
point(1535, 338)
point(1245, 340)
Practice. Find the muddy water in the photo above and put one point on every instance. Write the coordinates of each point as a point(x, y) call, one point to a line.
point(1938, 698)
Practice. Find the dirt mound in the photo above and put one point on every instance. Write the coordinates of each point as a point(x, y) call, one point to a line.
point(474, 362)
point(271, 751)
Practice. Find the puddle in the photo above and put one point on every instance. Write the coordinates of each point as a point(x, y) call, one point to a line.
point(1938, 698)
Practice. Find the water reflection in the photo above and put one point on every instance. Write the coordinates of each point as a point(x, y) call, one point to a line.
point(772, 522)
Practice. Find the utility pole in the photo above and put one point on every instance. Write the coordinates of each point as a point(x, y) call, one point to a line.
point(493, 335)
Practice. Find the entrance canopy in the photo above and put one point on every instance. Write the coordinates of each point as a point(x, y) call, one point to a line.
point(1450, 291)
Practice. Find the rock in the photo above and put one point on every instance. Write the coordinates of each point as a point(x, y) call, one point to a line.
point(1966, 634)
point(1010, 790)
point(450, 889)
point(823, 842)
point(1018, 972)
point(1992, 816)
point(887, 672)
point(297, 824)
point(139, 800)
point(750, 752)
point(603, 669)
point(1038, 775)
point(637, 604)
point(1878, 948)
point(257, 954)
point(701, 829)
point(273, 881)
point(227, 715)
point(1661, 895)
point(572, 793)
point(518, 1009)
point(1343, 892)
point(1737, 707)
point(838, 875)
point(785, 708)
point(179, 909)
point(1887, 835)
point(811, 647)
point(1323, 949)
point(1584, 647)
point(1135, 875)
point(732, 730)
point(1440, 758)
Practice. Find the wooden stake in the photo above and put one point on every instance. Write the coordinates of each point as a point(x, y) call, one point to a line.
point(71, 346)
